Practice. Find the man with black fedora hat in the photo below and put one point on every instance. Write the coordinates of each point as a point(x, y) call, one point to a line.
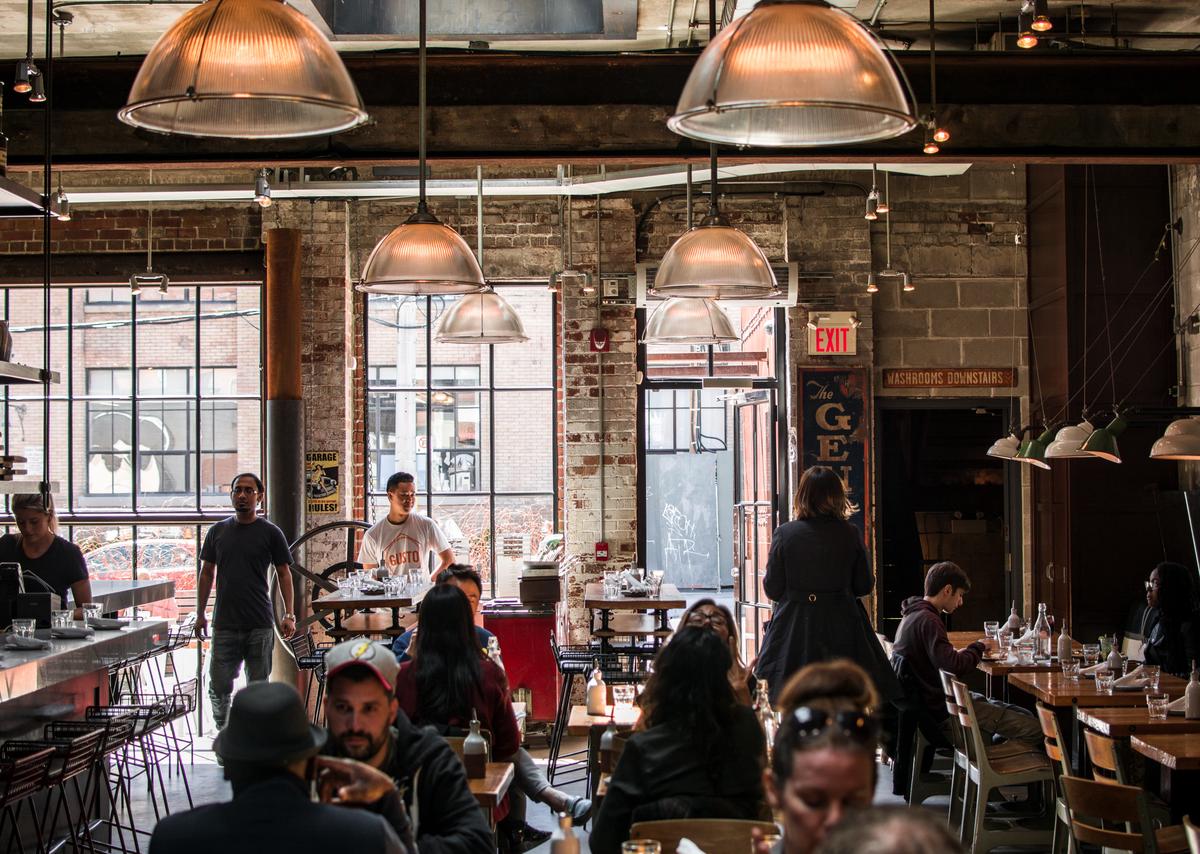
point(270, 755)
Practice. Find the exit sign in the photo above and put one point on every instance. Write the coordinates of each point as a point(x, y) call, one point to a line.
point(833, 333)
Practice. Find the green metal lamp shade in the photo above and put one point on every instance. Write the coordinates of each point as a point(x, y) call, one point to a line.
point(1034, 453)
point(1103, 442)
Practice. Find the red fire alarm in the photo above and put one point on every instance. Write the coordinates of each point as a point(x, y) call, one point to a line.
point(602, 551)
point(599, 340)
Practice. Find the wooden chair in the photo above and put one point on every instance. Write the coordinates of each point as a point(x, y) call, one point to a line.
point(985, 773)
point(885, 643)
point(1193, 835)
point(1109, 803)
point(1106, 765)
point(1057, 752)
point(711, 835)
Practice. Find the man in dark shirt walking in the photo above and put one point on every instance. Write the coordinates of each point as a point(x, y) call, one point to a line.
point(243, 548)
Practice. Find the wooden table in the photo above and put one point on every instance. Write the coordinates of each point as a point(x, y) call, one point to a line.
point(490, 789)
point(660, 606)
point(999, 671)
point(593, 726)
point(1058, 692)
point(1125, 722)
point(1178, 757)
point(338, 603)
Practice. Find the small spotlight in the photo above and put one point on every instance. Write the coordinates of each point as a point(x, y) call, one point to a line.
point(941, 135)
point(931, 146)
point(23, 79)
point(906, 283)
point(61, 205)
point(149, 279)
point(588, 288)
point(883, 207)
point(262, 189)
point(872, 205)
point(38, 95)
point(1027, 38)
point(872, 288)
point(135, 284)
point(813, 320)
point(1041, 17)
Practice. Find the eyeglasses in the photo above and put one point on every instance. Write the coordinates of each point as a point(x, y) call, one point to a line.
point(710, 617)
point(1151, 585)
point(808, 723)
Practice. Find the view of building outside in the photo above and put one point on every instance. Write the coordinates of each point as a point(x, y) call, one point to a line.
point(157, 408)
point(451, 413)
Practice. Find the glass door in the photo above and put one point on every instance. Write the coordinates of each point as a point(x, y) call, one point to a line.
point(755, 511)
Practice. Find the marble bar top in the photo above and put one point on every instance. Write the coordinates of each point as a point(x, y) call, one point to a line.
point(117, 594)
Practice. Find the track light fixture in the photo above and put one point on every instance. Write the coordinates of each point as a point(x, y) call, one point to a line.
point(906, 283)
point(884, 207)
point(872, 205)
point(931, 146)
point(1040, 12)
point(872, 287)
point(61, 205)
point(262, 188)
point(23, 79)
point(1026, 37)
point(38, 95)
point(941, 135)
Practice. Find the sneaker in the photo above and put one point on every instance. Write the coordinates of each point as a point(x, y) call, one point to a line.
point(529, 838)
point(579, 809)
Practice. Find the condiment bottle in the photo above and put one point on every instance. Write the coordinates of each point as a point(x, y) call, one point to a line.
point(1013, 623)
point(597, 692)
point(475, 751)
point(607, 743)
point(1065, 652)
point(1041, 632)
point(1191, 702)
point(493, 651)
point(1116, 664)
point(564, 840)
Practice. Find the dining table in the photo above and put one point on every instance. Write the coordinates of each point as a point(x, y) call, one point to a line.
point(490, 789)
point(655, 624)
point(1178, 758)
point(341, 603)
point(1123, 722)
point(625, 718)
point(996, 670)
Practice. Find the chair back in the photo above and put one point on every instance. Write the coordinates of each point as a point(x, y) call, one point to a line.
point(80, 752)
point(1193, 835)
point(1132, 647)
point(301, 645)
point(885, 643)
point(23, 772)
point(711, 835)
point(1095, 807)
point(1053, 740)
point(953, 710)
point(1106, 765)
point(976, 747)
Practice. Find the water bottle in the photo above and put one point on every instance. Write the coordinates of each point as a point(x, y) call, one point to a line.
point(597, 692)
point(475, 751)
point(608, 742)
point(1065, 653)
point(1191, 702)
point(563, 840)
point(1041, 631)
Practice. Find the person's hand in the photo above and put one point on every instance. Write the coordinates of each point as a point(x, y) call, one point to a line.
point(347, 781)
point(989, 644)
point(201, 628)
point(757, 844)
point(287, 626)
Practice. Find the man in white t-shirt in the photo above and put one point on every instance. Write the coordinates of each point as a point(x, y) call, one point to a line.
point(400, 542)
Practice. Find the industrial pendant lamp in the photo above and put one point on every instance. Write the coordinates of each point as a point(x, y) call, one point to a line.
point(243, 69)
point(1034, 451)
point(1006, 448)
point(689, 320)
point(1103, 442)
point(484, 317)
point(715, 260)
point(1067, 445)
point(1181, 441)
point(422, 256)
point(794, 73)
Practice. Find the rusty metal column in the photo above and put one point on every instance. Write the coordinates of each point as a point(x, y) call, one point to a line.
point(284, 475)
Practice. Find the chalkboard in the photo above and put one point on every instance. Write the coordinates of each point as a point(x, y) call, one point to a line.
point(689, 518)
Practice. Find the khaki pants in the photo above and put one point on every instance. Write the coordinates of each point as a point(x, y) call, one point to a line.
point(1011, 723)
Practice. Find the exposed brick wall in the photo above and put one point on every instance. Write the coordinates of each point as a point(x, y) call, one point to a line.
point(176, 229)
point(1185, 188)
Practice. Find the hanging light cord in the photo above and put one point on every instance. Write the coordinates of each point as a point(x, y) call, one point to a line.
point(421, 105)
point(570, 200)
point(1112, 375)
point(1085, 297)
point(932, 66)
point(713, 212)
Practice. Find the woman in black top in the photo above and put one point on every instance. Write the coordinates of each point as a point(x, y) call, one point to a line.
point(41, 552)
point(718, 619)
point(816, 570)
point(700, 755)
point(1173, 640)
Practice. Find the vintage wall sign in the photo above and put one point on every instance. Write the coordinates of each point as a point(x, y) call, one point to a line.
point(949, 378)
point(321, 470)
point(835, 430)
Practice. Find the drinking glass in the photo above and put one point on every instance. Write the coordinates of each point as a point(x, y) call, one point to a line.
point(1105, 645)
point(623, 695)
point(1104, 681)
point(24, 628)
point(1026, 650)
point(1152, 673)
point(1070, 670)
point(345, 586)
point(611, 586)
point(1004, 640)
point(991, 628)
point(1157, 704)
point(641, 846)
point(59, 619)
point(91, 611)
point(770, 839)
point(1091, 653)
point(656, 582)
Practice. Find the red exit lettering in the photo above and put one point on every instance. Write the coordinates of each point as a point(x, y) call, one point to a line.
point(832, 340)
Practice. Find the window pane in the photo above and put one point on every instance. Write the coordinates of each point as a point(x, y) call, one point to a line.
point(229, 338)
point(396, 340)
point(524, 441)
point(26, 325)
point(530, 363)
point(521, 522)
point(458, 438)
point(395, 437)
point(230, 443)
point(23, 437)
point(466, 522)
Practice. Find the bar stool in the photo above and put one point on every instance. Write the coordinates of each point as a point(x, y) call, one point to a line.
point(147, 719)
point(22, 775)
point(310, 659)
point(116, 734)
point(71, 758)
point(178, 705)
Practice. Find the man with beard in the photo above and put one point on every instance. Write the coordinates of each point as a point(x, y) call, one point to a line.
point(365, 723)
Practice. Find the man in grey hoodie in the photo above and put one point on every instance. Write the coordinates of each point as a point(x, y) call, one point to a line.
point(923, 647)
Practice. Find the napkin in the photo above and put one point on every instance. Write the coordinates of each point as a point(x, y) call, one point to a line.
point(1135, 678)
point(106, 623)
point(686, 846)
point(71, 632)
point(22, 643)
point(1093, 669)
point(1178, 707)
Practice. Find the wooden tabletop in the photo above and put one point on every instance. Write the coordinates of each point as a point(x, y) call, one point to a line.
point(1177, 752)
point(669, 597)
point(1056, 691)
point(581, 723)
point(357, 601)
point(490, 789)
point(1124, 722)
point(632, 625)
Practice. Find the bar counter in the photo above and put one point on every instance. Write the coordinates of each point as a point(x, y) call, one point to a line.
point(117, 594)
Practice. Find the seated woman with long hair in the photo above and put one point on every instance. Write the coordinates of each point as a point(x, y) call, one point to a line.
point(718, 619)
point(700, 754)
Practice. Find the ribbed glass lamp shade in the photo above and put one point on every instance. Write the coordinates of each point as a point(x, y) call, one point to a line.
point(1103, 442)
point(689, 320)
point(716, 261)
point(793, 73)
point(483, 318)
point(243, 69)
point(1068, 444)
point(1181, 441)
point(422, 256)
point(1006, 448)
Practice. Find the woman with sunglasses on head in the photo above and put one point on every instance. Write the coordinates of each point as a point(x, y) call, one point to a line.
point(700, 754)
point(1171, 627)
point(707, 614)
point(823, 762)
point(816, 571)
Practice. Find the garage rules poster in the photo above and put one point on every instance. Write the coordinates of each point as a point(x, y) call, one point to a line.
point(835, 430)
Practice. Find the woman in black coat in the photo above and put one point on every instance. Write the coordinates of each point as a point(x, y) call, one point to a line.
point(1173, 638)
point(816, 570)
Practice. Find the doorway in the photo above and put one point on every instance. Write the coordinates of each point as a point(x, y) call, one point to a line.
point(942, 498)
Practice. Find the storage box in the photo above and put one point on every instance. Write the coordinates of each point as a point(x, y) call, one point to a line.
point(540, 589)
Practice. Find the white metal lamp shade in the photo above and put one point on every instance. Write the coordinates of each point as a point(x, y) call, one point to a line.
point(1068, 444)
point(482, 318)
point(1006, 448)
point(1181, 441)
point(794, 73)
point(689, 320)
point(422, 256)
point(243, 69)
point(716, 261)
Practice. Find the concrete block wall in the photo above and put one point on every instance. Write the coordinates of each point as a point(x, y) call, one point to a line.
point(1185, 195)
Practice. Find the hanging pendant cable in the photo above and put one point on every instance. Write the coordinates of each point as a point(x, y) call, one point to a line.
point(932, 67)
point(713, 212)
point(1084, 389)
point(421, 206)
point(48, 73)
point(1112, 371)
